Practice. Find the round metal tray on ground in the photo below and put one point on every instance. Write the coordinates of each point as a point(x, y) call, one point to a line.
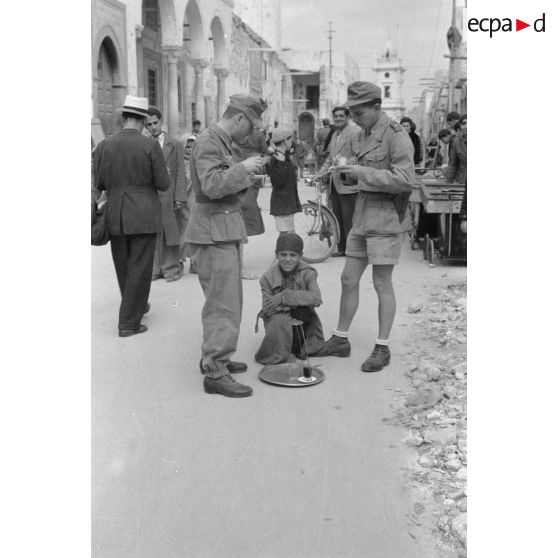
point(288, 375)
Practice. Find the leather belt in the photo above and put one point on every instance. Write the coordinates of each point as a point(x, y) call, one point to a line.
point(380, 196)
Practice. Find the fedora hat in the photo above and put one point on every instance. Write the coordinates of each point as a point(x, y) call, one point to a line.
point(134, 105)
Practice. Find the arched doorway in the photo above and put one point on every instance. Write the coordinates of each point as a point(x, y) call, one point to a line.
point(306, 127)
point(107, 99)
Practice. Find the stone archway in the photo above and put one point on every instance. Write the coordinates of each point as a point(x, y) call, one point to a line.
point(306, 126)
point(108, 90)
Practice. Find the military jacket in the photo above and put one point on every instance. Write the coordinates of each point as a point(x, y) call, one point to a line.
point(216, 181)
point(385, 181)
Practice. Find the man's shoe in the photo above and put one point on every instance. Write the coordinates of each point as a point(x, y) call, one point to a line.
point(155, 277)
point(147, 307)
point(227, 386)
point(335, 346)
point(379, 358)
point(127, 332)
point(173, 278)
point(232, 367)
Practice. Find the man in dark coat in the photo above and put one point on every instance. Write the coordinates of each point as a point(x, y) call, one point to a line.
point(131, 168)
point(167, 262)
point(319, 147)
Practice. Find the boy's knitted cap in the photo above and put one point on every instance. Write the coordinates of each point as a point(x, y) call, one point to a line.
point(290, 242)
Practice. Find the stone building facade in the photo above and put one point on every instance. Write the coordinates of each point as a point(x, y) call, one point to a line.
point(186, 56)
point(257, 68)
point(317, 87)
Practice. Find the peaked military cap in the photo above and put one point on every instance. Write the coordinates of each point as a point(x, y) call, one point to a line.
point(360, 92)
point(252, 107)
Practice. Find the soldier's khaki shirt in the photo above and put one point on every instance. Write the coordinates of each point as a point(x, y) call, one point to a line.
point(216, 180)
point(387, 155)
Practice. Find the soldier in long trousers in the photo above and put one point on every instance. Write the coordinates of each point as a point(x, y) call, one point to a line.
point(132, 169)
point(216, 232)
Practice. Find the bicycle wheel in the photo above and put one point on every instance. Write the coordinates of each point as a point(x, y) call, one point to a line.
point(318, 230)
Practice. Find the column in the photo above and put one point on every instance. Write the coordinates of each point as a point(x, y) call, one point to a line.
point(199, 65)
point(221, 74)
point(172, 55)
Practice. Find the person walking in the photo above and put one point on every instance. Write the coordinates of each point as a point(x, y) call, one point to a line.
point(131, 168)
point(343, 147)
point(167, 262)
point(385, 174)
point(319, 147)
point(216, 232)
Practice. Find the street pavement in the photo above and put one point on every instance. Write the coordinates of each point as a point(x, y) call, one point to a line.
point(313, 472)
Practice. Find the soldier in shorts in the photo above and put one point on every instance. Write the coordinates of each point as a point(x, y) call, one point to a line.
point(385, 175)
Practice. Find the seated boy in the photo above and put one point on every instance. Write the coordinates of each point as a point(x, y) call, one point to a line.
point(289, 291)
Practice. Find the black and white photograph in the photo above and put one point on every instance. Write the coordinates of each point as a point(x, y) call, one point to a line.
point(279, 201)
point(286, 339)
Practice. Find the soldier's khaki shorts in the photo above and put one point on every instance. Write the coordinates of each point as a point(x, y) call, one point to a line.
point(379, 249)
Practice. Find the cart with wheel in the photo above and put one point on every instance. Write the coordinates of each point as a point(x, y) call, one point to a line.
point(444, 201)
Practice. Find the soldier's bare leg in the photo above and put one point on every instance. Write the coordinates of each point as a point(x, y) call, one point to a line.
point(381, 277)
point(350, 283)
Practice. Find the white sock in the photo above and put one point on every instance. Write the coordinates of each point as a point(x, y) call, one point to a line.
point(382, 342)
point(344, 334)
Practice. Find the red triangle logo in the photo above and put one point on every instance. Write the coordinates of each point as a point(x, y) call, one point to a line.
point(519, 25)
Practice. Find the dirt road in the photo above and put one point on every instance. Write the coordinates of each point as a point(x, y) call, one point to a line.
point(288, 473)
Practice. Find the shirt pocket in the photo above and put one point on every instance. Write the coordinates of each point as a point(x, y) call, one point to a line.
point(376, 160)
point(226, 225)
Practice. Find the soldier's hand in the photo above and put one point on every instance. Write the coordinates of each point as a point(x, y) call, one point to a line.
point(253, 164)
point(352, 170)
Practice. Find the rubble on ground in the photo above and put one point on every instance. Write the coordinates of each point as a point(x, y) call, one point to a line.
point(435, 414)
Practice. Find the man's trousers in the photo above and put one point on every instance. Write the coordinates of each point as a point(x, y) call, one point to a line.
point(166, 261)
point(220, 275)
point(343, 207)
point(132, 255)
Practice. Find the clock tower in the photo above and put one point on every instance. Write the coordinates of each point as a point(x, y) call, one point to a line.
point(389, 77)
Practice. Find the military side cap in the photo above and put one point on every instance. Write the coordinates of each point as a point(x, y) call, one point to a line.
point(281, 133)
point(360, 92)
point(252, 107)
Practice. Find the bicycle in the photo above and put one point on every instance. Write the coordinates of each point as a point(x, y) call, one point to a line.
point(317, 225)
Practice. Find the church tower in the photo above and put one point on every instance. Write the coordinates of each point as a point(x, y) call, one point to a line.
point(389, 77)
point(264, 17)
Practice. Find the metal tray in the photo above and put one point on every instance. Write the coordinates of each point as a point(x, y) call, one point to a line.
point(288, 374)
